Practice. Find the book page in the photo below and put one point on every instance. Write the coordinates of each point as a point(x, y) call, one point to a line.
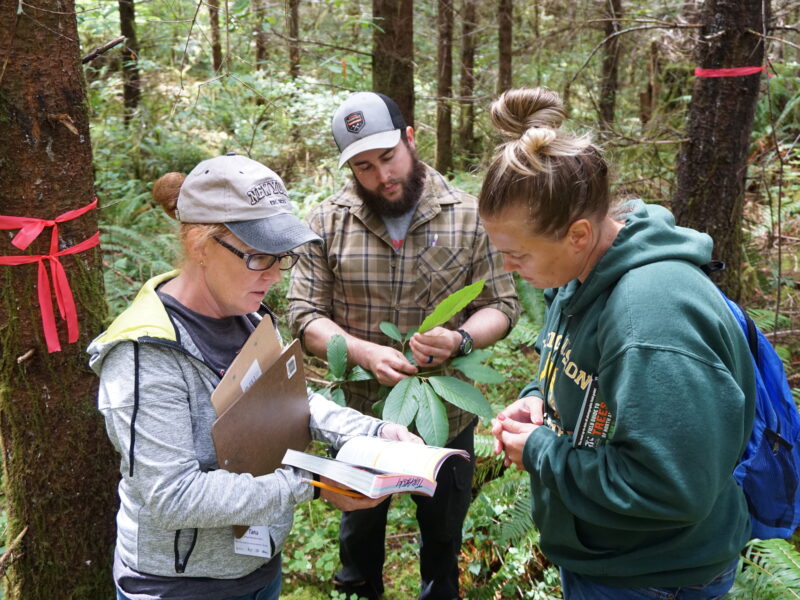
point(396, 457)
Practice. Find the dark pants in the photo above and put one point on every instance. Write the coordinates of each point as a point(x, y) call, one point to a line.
point(362, 534)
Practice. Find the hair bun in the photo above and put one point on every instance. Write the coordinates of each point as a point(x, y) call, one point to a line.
point(517, 111)
point(166, 190)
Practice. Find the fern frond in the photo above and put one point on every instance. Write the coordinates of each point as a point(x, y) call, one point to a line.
point(771, 571)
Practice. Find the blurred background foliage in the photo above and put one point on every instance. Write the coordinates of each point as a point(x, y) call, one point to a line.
point(188, 111)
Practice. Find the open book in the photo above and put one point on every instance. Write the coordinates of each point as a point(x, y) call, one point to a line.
point(376, 467)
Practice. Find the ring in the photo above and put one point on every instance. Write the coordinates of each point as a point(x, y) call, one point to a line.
point(430, 358)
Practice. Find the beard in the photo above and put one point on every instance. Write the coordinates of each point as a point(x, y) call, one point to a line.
point(412, 190)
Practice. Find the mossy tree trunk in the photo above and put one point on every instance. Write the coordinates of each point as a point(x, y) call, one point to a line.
point(216, 38)
point(444, 87)
point(59, 470)
point(393, 53)
point(712, 164)
point(293, 27)
point(466, 119)
point(505, 33)
point(131, 90)
point(609, 81)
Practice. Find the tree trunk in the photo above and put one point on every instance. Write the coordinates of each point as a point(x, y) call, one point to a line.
point(712, 165)
point(293, 23)
point(131, 90)
point(611, 49)
point(466, 119)
point(259, 13)
point(444, 88)
point(505, 26)
point(59, 469)
point(216, 40)
point(393, 53)
point(648, 99)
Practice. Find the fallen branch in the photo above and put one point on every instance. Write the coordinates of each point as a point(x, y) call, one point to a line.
point(102, 49)
point(8, 555)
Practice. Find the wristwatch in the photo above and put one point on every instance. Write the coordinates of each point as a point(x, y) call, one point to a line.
point(465, 347)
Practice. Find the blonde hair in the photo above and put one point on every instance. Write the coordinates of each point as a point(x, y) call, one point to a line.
point(192, 235)
point(560, 177)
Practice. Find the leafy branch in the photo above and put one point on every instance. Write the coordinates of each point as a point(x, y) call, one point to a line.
point(418, 399)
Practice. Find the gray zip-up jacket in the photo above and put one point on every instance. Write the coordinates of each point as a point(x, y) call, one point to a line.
point(176, 506)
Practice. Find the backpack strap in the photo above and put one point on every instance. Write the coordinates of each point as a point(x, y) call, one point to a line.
point(714, 266)
point(752, 334)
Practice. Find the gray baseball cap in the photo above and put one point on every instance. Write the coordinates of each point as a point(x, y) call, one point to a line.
point(366, 121)
point(248, 198)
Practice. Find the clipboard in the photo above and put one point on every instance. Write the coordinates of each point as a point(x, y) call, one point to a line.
point(254, 432)
point(256, 356)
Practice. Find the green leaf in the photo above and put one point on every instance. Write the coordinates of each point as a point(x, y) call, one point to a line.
point(462, 394)
point(531, 300)
point(410, 334)
point(476, 356)
point(337, 396)
point(401, 403)
point(377, 407)
point(431, 419)
point(451, 306)
point(337, 356)
point(481, 373)
point(359, 373)
point(391, 330)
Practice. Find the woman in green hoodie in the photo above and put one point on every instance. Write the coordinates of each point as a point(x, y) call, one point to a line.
point(644, 398)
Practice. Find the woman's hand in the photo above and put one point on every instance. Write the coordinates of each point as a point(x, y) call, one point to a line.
point(514, 424)
point(343, 501)
point(400, 433)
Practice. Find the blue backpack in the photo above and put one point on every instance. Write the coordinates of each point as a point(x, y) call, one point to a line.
point(769, 470)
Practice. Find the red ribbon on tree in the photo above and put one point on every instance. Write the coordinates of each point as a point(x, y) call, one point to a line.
point(29, 230)
point(732, 72)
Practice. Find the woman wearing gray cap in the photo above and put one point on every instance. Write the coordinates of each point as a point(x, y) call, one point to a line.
point(158, 363)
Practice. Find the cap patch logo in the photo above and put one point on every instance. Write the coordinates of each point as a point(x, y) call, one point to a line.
point(268, 187)
point(354, 122)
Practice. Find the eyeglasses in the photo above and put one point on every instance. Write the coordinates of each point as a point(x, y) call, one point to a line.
point(260, 261)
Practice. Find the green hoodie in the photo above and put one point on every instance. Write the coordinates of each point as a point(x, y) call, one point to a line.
point(656, 503)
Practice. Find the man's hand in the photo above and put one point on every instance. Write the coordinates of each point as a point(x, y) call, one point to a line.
point(387, 364)
point(393, 431)
point(432, 348)
point(344, 502)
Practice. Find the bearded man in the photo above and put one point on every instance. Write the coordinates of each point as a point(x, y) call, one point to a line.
point(397, 239)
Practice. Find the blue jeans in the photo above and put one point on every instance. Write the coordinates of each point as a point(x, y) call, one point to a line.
point(576, 587)
point(270, 592)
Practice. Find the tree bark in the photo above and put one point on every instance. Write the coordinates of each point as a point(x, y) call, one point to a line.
point(59, 469)
point(609, 79)
point(259, 12)
point(444, 88)
point(216, 39)
point(393, 53)
point(293, 22)
point(505, 26)
point(466, 118)
point(712, 165)
point(648, 99)
point(131, 90)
